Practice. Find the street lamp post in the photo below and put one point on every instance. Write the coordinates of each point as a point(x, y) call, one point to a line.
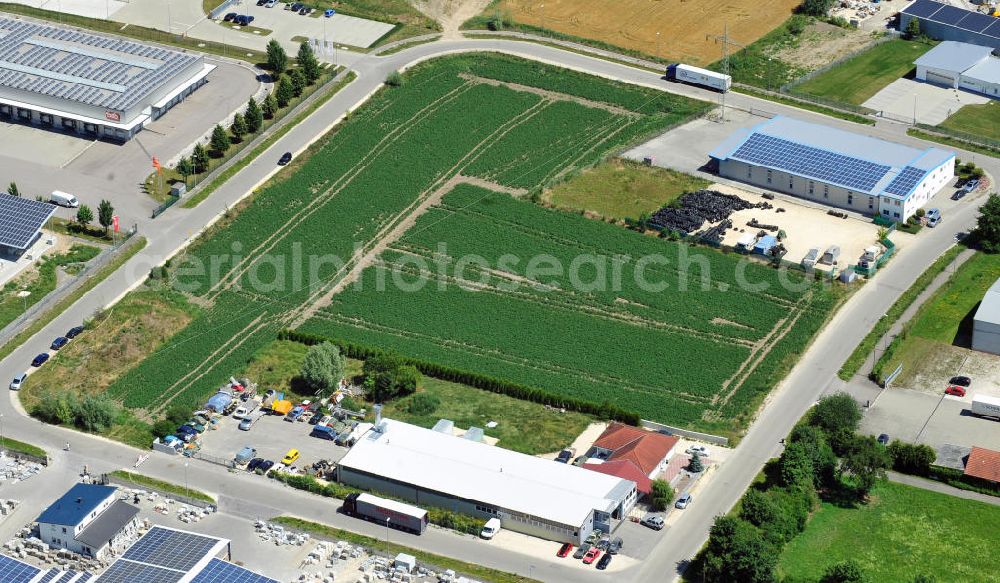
point(387, 552)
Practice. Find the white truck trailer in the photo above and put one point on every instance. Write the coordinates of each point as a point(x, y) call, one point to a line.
point(985, 406)
point(682, 73)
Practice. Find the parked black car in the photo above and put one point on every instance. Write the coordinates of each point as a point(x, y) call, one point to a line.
point(230, 17)
point(564, 456)
point(285, 159)
point(295, 6)
point(59, 343)
point(961, 381)
point(40, 360)
point(265, 466)
point(603, 563)
point(615, 546)
point(581, 550)
point(254, 464)
point(74, 332)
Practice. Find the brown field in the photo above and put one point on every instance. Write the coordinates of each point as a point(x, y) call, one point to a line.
point(633, 24)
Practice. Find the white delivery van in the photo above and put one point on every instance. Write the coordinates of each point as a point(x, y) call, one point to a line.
point(490, 529)
point(63, 199)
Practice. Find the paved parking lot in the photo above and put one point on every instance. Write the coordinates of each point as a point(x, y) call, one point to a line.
point(285, 24)
point(932, 104)
point(272, 436)
point(934, 420)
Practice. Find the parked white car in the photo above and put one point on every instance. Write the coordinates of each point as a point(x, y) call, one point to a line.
point(700, 449)
point(15, 385)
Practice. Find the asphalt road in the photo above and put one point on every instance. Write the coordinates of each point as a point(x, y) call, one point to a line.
point(815, 373)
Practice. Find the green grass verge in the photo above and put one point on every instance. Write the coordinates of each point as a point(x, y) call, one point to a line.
point(978, 120)
point(622, 188)
point(162, 486)
point(438, 561)
point(404, 46)
point(21, 447)
point(40, 281)
point(814, 107)
point(903, 532)
point(257, 151)
point(857, 358)
point(579, 51)
point(858, 79)
point(955, 143)
point(75, 229)
point(71, 299)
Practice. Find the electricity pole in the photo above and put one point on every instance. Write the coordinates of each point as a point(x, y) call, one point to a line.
point(726, 42)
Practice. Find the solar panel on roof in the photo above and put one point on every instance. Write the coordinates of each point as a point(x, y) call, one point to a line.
point(905, 181)
point(769, 151)
point(21, 219)
point(949, 15)
point(122, 571)
point(219, 571)
point(171, 548)
point(976, 22)
point(923, 8)
point(15, 571)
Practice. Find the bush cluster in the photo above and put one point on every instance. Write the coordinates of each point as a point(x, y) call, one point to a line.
point(93, 413)
point(910, 458)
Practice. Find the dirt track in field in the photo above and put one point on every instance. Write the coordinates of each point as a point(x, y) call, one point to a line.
point(634, 24)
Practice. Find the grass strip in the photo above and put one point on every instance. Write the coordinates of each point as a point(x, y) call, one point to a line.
point(571, 49)
point(404, 46)
point(441, 562)
point(813, 107)
point(71, 299)
point(955, 143)
point(75, 229)
point(21, 447)
point(857, 358)
point(277, 135)
point(161, 486)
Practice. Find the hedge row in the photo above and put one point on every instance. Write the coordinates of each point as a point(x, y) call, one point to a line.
point(432, 369)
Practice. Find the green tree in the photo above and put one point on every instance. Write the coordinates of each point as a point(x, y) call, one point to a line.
point(185, 167)
point(323, 367)
point(388, 377)
point(848, 571)
point(96, 413)
point(824, 461)
point(695, 465)
point(13, 190)
point(736, 552)
point(350, 404)
point(911, 458)
point(421, 404)
point(285, 92)
point(298, 80)
point(220, 140)
point(757, 508)
point(661, 495)
point(163, 428)
point(84, 215)
point(816, 7)
point(105, 215)
point(238, 128)
point(254, 116)
point(912, 29)
point(795, 466)
point(277, 59)
point(308, 63)
point(394, 79)
point(866, 461)
point(778, 514)
point(270, 106)
point(178, 414)
point(838, 415)
point(987, 231)
point(199, 158)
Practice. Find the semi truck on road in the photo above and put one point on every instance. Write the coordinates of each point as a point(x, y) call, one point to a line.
point(985, 406)
point(379, 510)
point(682, 73)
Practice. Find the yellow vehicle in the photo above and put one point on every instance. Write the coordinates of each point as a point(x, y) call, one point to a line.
point(290, 457)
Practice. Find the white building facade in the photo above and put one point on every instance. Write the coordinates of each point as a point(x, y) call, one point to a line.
point(89, 520)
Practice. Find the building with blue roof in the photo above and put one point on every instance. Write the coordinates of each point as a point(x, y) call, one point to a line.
point(945, 22)
point(89, 520)
point(835, 167)
point(961, 66)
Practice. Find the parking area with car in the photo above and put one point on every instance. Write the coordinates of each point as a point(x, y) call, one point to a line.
point(42, 358)
point(286, 20)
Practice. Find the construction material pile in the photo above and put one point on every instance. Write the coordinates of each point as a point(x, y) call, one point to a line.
point(694, 208)
point(15, 470)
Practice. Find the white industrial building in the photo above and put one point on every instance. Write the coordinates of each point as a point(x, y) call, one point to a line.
point(531, 495)
point(961, 66)
point(89, 520)
point(94, 85)
point(835, 167)
point(986, 323)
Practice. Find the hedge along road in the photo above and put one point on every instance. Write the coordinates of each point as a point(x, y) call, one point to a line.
point(815, 374)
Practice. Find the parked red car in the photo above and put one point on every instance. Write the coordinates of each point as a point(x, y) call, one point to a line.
point(591, 555)
point(955, 390)
point(564, 550)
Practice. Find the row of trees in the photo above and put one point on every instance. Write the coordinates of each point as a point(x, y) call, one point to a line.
point(105, 215)
point(289, 84)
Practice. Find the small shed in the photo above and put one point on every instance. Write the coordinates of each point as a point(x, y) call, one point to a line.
point(407, 563)
point(178, 189)
point(848, 275)
point(764, 244)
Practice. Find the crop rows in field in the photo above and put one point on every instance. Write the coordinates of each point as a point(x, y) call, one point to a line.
point(679, 353)
point(364, 181)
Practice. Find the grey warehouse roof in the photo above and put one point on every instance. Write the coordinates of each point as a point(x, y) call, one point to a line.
point(989, 308)
point(954, 56)
point(108, 524)
point(82, 67)
point(967, 20)
point(859, 163)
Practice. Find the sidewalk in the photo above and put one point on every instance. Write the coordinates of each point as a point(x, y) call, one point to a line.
point(933, 486)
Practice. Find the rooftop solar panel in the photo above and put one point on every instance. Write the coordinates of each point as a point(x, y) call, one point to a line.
point(173, 549)
point(219, 571)
point(923, 8)
point(122, 571)
point(14, 571)
point(976, 22)
point(949, 15)
point(993, 30)
point(21, 219)
point(906, 181)
point(853, 173)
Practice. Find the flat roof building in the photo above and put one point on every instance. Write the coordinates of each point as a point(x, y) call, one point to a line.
point(986, 322)
point(835, 167)
point(531, 495)
point(961, 66)
point(91, 84)
point(945, 22)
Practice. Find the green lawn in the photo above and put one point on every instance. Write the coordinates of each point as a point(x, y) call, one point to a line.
point(622, 188)
point(978, 120)
point(858, 79)
point(902, 532)
point(40, 281)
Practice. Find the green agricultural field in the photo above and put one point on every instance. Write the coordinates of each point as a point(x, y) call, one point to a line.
point(903, 532)
point(286, 253)
point(690, 348)
point(622, 188)
point(858, 79)
point(978, 120)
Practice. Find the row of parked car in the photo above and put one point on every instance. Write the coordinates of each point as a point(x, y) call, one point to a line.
point(591, 550)
point(58, 343)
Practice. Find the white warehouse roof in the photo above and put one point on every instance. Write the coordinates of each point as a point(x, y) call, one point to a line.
point(989, 308)
point(953, 56)
point(427, 459)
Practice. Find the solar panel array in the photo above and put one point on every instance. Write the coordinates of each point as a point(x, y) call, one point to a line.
point(20, 220)
point(853, 173)
point(173, 549)
point(82, 67)
point(122, 571)
point(219, 571)
point(906, 181)
point(14, 571)
point(967, 20)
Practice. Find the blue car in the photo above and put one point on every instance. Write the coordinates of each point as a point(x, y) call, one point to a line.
point(74, 332)
point(329, 12)
point(59, 343)
point(40, 360)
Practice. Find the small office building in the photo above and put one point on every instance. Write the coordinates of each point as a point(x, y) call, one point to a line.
point(89, 520)
point(531, 495)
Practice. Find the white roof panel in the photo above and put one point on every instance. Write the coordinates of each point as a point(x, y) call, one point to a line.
point(953, 56)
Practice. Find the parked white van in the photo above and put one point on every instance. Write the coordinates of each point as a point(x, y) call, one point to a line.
point(491, 527)
point(63, 199)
